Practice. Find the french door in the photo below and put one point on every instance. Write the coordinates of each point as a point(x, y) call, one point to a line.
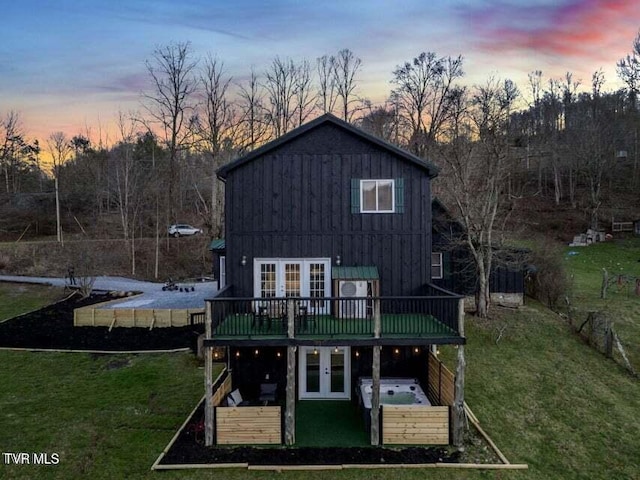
point(284, 277)
point(324, 373)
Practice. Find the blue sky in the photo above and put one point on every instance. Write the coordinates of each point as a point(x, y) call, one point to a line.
point(72, 64)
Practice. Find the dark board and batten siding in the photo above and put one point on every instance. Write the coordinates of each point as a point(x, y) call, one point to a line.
point(295, 202)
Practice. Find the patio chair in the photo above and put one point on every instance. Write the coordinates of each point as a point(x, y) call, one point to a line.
point(268, 392)
point(270, 312)
point(234, 399)
point(303, 319)
point(260, 316)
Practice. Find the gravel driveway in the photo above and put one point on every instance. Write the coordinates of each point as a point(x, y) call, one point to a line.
point(152, 295)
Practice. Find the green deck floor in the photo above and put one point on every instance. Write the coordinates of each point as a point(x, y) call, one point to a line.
point(326, 423)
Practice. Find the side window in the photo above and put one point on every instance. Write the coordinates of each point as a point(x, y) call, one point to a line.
point(377, 195)
point(436, 265)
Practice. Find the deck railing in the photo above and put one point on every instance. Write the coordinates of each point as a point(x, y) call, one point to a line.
point(335, 317)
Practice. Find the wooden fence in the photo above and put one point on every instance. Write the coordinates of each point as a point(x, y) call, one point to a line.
point(621, 226)
point(441, 384)
point(415, 424)
point(222, 389)
point(132, 317)
point(248, 425)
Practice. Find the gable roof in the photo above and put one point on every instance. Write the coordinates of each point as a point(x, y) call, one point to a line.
point(327, 118)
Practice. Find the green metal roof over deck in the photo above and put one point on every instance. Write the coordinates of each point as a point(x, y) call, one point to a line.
point(355, 273)
point(217, 244)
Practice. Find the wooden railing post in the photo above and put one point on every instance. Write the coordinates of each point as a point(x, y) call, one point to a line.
point(375, 376)
point(458, 403)
point(208, 379)
point(290, 406)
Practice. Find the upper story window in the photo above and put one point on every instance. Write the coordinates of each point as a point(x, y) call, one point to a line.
point(436, 265)
point(377, 195)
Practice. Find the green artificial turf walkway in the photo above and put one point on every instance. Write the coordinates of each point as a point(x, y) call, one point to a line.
point(324, 423)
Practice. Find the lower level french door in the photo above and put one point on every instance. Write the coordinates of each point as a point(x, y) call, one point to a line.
point(324, 373)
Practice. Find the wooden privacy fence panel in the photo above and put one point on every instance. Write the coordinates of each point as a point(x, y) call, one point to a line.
point(441, 385)
point(415, 425)
point(248, 425)
point(133, 317)
point(220, 393)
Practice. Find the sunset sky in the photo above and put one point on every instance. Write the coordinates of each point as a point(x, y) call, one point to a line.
point(72, 64)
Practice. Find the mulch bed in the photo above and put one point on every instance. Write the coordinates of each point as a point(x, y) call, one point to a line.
point(189, 449)
point(52, 328)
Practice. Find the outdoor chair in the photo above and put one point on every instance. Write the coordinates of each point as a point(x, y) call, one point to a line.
point(260, 317)
point(268, 392)
point(234, 399)
point(303, 319)
point(270, 312)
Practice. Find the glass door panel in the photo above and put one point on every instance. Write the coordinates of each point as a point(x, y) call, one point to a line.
point(337, 371)
point(267, 280)
point(292, 277)
point(313, 371)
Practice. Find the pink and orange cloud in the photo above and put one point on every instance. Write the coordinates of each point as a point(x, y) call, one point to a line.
point(593, 29)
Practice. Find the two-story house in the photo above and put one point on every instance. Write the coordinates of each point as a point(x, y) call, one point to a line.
point(327, 290)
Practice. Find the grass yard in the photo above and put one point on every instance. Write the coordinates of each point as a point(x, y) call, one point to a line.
point(23, 298)
point(543, 396)
point(620, 258)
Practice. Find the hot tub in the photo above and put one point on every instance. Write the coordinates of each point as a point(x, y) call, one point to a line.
point(393, 391)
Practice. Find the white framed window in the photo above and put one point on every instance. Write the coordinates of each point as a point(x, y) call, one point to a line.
point(377, 196)
point(436, 265)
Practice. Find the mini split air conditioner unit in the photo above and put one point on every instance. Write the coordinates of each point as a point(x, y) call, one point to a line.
point(353, 290)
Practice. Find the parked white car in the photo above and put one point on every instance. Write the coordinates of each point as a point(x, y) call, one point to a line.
point(183, 230)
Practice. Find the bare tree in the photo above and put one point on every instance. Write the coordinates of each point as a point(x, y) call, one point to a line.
point(425, 88)
point(60, 150)
point(383, 121)
point(171, 104)
point(129, 182)
point(216, 131)
point(17, 155)
point(345, 68)
point(629, 71)
point(304, 97)
point(590, 144)
point(253, 128)
point(475, 169)
point(327, 94)
point(280, 85)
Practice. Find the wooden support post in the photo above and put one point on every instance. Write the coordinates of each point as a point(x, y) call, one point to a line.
point(375, 397)
point(458, 414)
point(375, 377)
point(290, 401)
point(208, 380)
point(291, 316)
point(290, 406)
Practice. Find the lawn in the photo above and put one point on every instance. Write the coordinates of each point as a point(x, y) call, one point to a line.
point(543, 396)
point(23, 298)
point(622, 260)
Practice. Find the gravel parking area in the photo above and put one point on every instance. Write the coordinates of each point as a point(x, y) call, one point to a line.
point(151, 294)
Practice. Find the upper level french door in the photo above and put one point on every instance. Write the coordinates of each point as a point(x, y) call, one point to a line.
point(293, 277)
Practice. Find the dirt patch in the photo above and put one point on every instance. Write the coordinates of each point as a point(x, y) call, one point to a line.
point(52, 328)
point(189, 448)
